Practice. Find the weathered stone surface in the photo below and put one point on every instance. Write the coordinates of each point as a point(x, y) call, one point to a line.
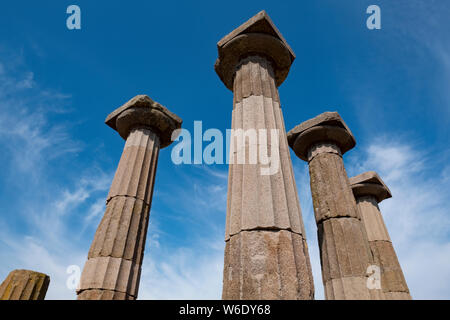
point(122, 230)
point(376, 294)
point(24, 285)
point(271, 201)
point(326, 127)
point(135, 174)
point(397, 296)
point(370, 184)
point(103, 295)
point(267, 265)
point(253, 78)
point(372, 220)
point(141, 111)
point(108, 273)
point(370, 177)
point(392, 279)
point(348, 288)
point(113, 268)
point(258, 36)
point(329, 118)
point(323, 147)
point(343, 247)
point(259, 23)
point(369, 189)
point(330, 188)
point(263, 211)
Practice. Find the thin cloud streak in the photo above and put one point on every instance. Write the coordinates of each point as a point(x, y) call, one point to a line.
point(49, 209)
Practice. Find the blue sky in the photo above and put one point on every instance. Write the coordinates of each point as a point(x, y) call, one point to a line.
point(391, 86)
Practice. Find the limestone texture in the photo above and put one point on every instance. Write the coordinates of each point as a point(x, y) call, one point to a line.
point(266, 256)
point(369, 189)
point(327, 127)
point(24, 285)
point(267, 265)
point(330, 189)
point(113, 268)
point(104, 295)
point(344, 248)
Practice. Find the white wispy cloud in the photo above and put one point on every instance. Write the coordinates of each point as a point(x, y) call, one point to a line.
point(25, 131)
point(61, 228)
point(416, 216)
point(184, 273)
point(42, 227)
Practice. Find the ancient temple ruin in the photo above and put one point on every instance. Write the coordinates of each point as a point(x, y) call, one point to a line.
point(266, 252)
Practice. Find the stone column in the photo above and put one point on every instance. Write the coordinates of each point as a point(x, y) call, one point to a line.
point(369, 190)
point(266, 256)
point(112, 271)
point(24, 285)
point(344, 249)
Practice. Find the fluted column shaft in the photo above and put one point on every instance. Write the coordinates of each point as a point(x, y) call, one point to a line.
point(115, 257)
point(344, 251)
point(393, 283)
point(266, 255)
point(24, 285)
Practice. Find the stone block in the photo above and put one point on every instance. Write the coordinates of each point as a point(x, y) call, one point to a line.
point(327, 127)
point(267, 265)
point(370, 184)
point(343, 247)
point(397, 296)
point(392, 278)
point(144, 112)
point(108, 273)
point(348, 288)
point(259, 36)
point(371, 217)
point(122, 230)
point(136, 172)
point(263, 213)
point(330, 188)
point(104, 295)
point(24, 285)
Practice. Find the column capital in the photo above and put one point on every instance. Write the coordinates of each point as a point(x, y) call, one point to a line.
point(257, 36)
point(370, 184)
point(327, 127)
point(143, 111)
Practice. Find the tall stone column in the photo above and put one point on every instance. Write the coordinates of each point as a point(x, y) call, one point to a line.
point(113, 268)
point(266, 255)
point(344, 249)
point(24, 285)
point(369, 190)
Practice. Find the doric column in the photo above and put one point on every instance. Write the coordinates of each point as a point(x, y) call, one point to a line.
point(344, 249)
point(24, 285)
point(369, 190)
point(112, 271)
point(266, 256)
